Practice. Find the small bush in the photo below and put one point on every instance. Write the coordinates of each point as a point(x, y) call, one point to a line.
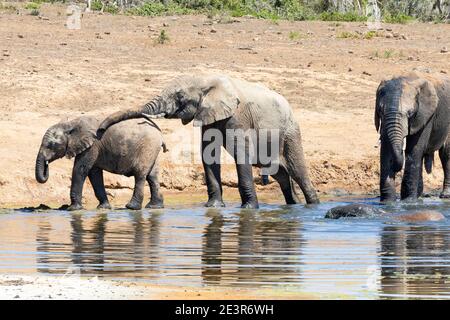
point(371, 34)
point(34, 12)
point(153, 9)
point(337, 16)
point(347, 35)
point(32, 6)
point(163, 37)
point(397, 18)
point(97, 5)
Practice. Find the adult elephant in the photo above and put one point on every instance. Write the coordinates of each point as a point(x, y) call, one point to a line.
point(227, 104)
point(415, 106)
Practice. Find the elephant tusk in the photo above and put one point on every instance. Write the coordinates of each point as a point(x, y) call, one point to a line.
point(46, 163)
point(404, 144)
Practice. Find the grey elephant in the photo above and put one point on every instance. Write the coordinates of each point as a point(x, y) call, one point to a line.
point(130, 148)
point(226, 104)
point(415, 107)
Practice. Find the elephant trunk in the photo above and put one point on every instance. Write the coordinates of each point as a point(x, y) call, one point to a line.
point(154, 108)
point(41, 169)
point(396, 130)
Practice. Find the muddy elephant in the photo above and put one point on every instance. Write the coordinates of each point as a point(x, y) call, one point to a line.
point(130, 148)
point(227, 105)
point(415, 108)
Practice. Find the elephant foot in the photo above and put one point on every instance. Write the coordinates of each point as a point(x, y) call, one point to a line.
point(134, 205)
point(104, 205)
point(445, 194)
point(214, 203)
point(250, 205)
point(410, 199)
point(155, 205)
point(74, 207)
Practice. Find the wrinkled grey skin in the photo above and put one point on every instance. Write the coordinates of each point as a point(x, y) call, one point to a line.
point(355, 210)
point(222, 102)
point(129, 148)
point(414, 106)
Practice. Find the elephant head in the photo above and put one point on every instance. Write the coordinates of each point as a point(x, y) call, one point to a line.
point(202, 99)
point(64, 139)
point(404, 105)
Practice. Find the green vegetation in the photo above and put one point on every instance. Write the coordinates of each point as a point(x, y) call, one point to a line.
point(338, 16)
point(355, 35)
point(32, 6)
point(347, 35)
point(387, 54)
point(97, 5)
point(295, 35)
point(162, 38)
point(392, 11)
point(34, 12)
point(397, 18)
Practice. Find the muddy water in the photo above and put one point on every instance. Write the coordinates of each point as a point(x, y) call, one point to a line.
point(281, 247)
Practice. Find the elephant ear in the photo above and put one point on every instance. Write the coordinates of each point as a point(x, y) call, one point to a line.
point(219, 103)
point(427, 102)
point(378, 106)
point(81, 135)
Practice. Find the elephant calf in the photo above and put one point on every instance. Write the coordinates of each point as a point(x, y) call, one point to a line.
point(129, 148)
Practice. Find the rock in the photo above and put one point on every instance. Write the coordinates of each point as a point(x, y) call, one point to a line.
point(353, 211)
point(389, 35)
point(213, 31)
point(421, 216)
point(165, 24)
point(444, 50)
point(366, 73)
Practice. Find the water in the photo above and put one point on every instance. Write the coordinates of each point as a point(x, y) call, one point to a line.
point(279, 247)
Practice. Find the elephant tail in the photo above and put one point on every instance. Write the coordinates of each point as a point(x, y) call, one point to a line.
point(428, 160)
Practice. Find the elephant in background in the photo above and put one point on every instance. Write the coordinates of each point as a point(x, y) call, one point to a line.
point(415, 107)
point(226, 104)
point(130, 148)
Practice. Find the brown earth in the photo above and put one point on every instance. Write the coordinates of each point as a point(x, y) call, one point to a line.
point(49, 73)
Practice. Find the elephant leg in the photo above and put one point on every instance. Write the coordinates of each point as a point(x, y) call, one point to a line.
point(285, 182)
point(138, 194)
point(156, 197)
point(420, 185)
point(246, 186)
point(413, 165)
point(96, 179)
point(444, 155)
point(296, 166)
point(81, 168)
point(212, 176)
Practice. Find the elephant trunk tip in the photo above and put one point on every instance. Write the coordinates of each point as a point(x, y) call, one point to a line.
point(398, 161)
point(41, 172)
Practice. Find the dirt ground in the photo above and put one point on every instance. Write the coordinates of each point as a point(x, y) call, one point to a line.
point(49, 73)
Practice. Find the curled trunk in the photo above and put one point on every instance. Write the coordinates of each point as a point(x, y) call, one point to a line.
point(41, 169)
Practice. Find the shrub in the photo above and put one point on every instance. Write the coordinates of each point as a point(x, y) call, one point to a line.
point(32, 6)
point(163, 37)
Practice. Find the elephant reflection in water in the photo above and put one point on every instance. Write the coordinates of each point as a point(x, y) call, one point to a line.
point(250, 251)
point(94, 247)
point(412, 260)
